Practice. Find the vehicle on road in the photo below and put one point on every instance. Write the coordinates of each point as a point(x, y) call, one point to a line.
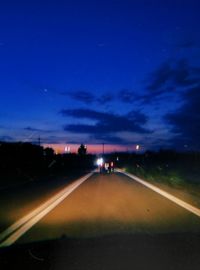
point(106, 167)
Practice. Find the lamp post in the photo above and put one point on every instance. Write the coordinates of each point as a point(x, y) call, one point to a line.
point(103, 148)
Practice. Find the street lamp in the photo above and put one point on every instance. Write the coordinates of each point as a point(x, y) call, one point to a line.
point(137, 147)
point(100, 161)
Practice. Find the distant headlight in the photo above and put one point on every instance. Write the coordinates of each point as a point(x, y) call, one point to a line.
point(100, 161)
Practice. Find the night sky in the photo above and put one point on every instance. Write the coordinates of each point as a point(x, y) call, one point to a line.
point(116, 72)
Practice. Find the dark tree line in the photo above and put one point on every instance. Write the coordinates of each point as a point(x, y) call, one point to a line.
point(25, 160)
point(164, 163)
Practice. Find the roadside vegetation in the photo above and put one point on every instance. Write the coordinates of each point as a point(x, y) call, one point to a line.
point(165, 166)
point(26, 162)
point(168, 167)
point(22, 162)
point(177, 173)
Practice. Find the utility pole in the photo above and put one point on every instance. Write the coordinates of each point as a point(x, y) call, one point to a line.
point(103, 147)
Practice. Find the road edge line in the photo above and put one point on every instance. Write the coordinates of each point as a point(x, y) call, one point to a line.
point(174, 199)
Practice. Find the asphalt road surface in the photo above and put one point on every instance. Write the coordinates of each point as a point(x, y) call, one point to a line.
point(110, 207)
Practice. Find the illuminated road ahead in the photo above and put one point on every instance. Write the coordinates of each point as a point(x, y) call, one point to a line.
point(99, 222)
point(110, 204)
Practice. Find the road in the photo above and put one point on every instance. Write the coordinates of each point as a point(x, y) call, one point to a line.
point(104, 206)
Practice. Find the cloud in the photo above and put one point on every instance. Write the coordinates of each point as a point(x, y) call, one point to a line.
point(171, 77)
point(127, 96)
point(106, 124)
point(82, 96)
point(160, 77)
point(183, 74)
point(178, 74)
point(87, 97)
point(90, 97)
point(187, 44)
point(105, 98)
point(5, 138)
point(185, 123)
point(108, 139)
point(32, 129)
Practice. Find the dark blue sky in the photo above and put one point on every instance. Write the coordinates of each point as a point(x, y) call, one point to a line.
point(118, 72)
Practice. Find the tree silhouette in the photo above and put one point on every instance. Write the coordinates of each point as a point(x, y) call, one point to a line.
point(82, 150)
point(49, 152)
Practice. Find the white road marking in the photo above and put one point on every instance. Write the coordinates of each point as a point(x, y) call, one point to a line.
point(16, 230)
point(165, 194)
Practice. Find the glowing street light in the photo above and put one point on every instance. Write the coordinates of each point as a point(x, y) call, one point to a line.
point(137, 147)
point(67, 149)
point(100, 161)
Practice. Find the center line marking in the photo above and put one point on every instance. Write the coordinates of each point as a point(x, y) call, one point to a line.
point(17, 229)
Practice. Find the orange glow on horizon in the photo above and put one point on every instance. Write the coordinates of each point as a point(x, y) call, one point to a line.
point(91, 148)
